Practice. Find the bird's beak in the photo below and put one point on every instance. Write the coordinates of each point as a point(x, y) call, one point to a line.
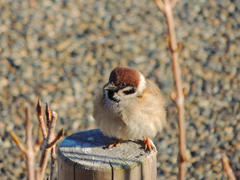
point(110, 86)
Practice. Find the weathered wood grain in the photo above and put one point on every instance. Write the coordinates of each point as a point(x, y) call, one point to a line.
point(84, 156)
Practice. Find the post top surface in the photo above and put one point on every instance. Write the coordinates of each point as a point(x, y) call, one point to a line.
point(88, 149)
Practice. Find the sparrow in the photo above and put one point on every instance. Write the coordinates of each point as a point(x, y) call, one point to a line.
point(130, 107)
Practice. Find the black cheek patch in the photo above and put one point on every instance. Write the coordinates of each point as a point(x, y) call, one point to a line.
point(111, 96)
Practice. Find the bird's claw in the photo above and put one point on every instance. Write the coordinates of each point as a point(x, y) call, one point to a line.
point(149, 146)
point(114, 144)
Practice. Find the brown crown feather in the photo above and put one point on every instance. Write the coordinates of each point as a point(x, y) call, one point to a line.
point(122, 76)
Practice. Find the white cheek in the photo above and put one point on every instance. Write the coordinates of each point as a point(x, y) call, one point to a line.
point(142, 84)
point(124, 96)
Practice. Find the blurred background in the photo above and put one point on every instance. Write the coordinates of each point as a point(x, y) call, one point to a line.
point(64, 50)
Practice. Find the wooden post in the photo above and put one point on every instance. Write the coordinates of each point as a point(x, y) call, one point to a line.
point(84, 156)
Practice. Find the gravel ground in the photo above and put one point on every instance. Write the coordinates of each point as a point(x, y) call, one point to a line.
point(64, 51)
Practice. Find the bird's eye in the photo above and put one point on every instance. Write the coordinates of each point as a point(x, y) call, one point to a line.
point(130, 91)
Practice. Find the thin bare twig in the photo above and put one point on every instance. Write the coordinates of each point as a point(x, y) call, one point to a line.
point(227, 167)
point(30, 154)
point(38, 140)
point(59, 135)
point(166, 7)
point(49, 117)
point(173, 2)
point(52, 118)
point(41, 122)
point(29, 149)
point(19, 144)
point(160, 5)
point(53, 162)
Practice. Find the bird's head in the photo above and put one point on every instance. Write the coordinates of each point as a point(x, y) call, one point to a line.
point(124, 83)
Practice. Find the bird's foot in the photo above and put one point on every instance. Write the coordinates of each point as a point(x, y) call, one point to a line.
point(148, 144)
point(114, 144)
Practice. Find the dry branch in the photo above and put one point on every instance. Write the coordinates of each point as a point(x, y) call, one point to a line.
point(53, 162)
point(41, 122)
point(51, 124)
point(166, 7)
point(19, 144)
point(29, 149)
point(30, 153)
point(59, 135)
point(227, 167)
point(38, 140)
point(49, 116)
